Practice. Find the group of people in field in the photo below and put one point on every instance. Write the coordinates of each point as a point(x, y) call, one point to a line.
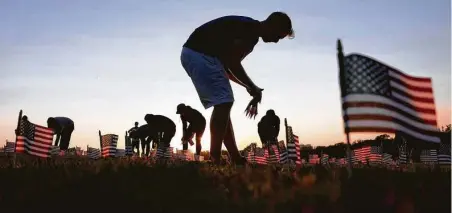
point(159, 130)
point(211, 57)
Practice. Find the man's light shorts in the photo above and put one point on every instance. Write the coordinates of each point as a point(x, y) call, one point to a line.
point(209, 77)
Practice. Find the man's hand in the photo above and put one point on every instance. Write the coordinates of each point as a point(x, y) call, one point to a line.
point(252, 108)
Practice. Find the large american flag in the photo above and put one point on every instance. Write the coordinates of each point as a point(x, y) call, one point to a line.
point(34, 139)
point(368, 153)
point(379, 98)
point(109, 144)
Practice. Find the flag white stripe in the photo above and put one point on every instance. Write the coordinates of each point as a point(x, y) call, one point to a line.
point(384, 100)
point(392, 125)
point(381, 111)
point(426, 105)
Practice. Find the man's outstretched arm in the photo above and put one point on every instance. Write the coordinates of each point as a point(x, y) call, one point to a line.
point(234, 67)
point(238, 74)
point(234, 79)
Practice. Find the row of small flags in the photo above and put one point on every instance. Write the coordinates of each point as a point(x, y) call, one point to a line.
point(367, 154)
point(37, 140)
point(374, 155)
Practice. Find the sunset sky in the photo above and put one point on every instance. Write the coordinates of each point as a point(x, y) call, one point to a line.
point(105, 64)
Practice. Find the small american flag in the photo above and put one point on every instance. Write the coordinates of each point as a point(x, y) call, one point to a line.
point(314, 159)
point(387, 158)
point(332, 160)
point(250, 157)
point(55, 151)
point(261, 156)
point(34, 139)
point(71, 151)
point(403, 153)
point(273, 154)
point(283, 153)
point(341, 161)
point(164, 152)
point(379, 98)
point(429, 156)
point(444, 154)
point(109, 144)
point(93, 153)
point(368, 153)
point(128, 146)
point(120, 153)
point(10, 146)
point(324, 160)
point(291, 147)
point(185, 155)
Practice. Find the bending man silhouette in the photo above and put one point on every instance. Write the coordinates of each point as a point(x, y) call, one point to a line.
point(144, 134)
point(134, 139)
point(268, 128)
point(212, 56)
point(197, 126)
point(63, 128)
point(163, 127)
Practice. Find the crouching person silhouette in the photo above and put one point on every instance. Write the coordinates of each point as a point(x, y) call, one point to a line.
point(63, 128)
point(165, 128)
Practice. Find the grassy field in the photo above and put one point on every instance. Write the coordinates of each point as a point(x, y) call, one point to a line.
point(141, 185)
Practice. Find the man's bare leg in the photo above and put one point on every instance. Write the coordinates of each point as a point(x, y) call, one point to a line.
point(231, 145)
point(218, 124)
point(198, 145)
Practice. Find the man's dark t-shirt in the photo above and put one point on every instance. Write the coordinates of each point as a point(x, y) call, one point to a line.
point(161, 123)
point(194, 117)
point(216, 37)
point(64, 122)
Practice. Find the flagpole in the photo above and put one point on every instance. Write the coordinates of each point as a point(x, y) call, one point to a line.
point(100, 142)
point(18, 126)
point(340, 59)
point(287, 134)
point(287, 138)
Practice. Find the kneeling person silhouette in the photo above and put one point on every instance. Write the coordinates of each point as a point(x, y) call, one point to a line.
point(197, 126)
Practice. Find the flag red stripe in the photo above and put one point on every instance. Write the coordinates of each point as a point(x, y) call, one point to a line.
point(412, 87)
